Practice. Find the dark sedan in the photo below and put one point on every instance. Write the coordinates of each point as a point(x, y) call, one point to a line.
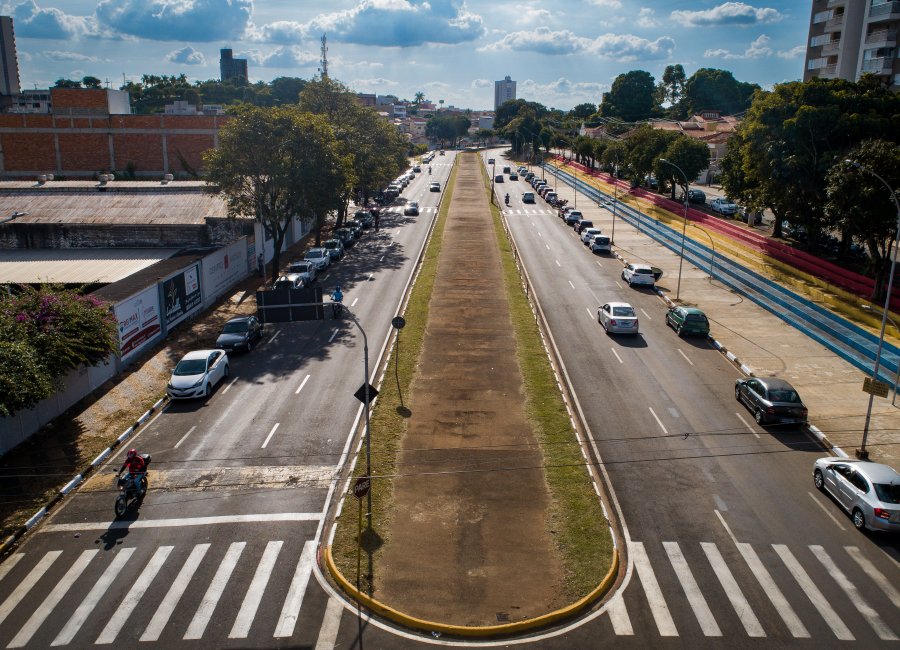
point(771, 400)
point(240, 334)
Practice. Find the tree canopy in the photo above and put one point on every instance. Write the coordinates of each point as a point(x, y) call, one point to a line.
point(631, 98)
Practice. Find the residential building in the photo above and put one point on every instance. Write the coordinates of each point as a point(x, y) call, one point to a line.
point(504, 91)
point(32, 101)
point(366, 99)
point(231, 68)
point(485, 121)
point(848, 38)
point(9, 61)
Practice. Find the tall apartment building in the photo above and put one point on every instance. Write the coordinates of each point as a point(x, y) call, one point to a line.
point(848, 38)
point(504, 91)
point(231, 68)
point(9, 62)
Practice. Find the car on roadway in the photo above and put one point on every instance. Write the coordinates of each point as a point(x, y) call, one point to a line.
point(355, 226)
point(573, 216)
point(695, 196)
point(869, 492)
point(550, 197)
point(365, 218)
point(491, 161)
point(197, 374)
point(527, 197)
point(434, 187)
point(441, 152)
point(771, 400)
point(417, 169)
point(239, 333)
point(507, 170)
point(687, 320)
point(498, 178)
point(641, 274)
point(587, 234)
point(529, 176)
point(411, 209)
point(514, 176)
point(723, 206)
point(618, 318)
point(600, 244)
point(335, 248)
point(582, 224)
point(346, 237)
point(306, 270)
point(288, 281)
point(318, 257)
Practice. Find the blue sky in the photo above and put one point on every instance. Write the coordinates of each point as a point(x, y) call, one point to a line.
point(561, 52)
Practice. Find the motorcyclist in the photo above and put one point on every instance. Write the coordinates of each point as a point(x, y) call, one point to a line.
point(337, 296)
point(507, 198)
point(137, 467)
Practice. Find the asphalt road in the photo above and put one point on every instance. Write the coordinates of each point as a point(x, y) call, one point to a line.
point(221, 552)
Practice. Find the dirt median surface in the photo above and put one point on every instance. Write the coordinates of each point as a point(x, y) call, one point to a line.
point(470, 541)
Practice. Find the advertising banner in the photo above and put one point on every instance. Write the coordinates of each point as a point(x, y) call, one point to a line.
point(181, 295)
point(223, 268)
point(139, 322)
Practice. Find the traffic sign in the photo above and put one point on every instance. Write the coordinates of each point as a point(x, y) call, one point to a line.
point(361, 486)
point(875, 387)
point(398, 322)
point(361, 393)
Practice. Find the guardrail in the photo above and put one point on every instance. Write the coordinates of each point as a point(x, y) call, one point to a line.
point(851, 342)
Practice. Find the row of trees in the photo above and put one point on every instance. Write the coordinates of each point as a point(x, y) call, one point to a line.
point(305, 160)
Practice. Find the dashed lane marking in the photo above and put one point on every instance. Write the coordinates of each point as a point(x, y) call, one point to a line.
point(271, 433)
point(302, 384)
point(185, 437)
point(826, 511)
point(233, 382)
point(658, 421)
point(684, 355)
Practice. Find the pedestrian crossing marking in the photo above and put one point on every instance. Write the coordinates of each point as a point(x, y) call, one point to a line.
point(694, 596)
point(877, 577)
point(294, 601)
point(176, 591)
point(247, 613)
point(331, 625)
point(770, 588)
point(732, 591)
point(8, 565)
point(216, 588)
point(658, 606)
point(618, 616)
point(25, 586)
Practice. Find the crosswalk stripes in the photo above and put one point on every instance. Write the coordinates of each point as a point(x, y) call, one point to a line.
point(247, 613)
point(770, 588)
point(214, 592)
point(294, 600)
point(732, 591)
point(25, 586)
point(876, 576)
point(694, 596)
point(658, 606)
point(176, 591)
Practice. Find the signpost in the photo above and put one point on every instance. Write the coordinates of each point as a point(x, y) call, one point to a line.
point(361, 486)
point(875, 387)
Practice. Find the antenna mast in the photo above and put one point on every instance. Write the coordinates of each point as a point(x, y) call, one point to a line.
point(324, 64)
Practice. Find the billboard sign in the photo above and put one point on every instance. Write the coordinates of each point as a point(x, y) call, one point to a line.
point(223, 268)
point(181, 295)
point(139, 321)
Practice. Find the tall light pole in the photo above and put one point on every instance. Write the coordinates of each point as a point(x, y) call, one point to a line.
point(683, 227)
point(862, 452)
point(612, 237)
point(366, 401)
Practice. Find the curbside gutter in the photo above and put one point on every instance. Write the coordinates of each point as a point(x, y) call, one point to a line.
point(75, 482)
point(468, 631)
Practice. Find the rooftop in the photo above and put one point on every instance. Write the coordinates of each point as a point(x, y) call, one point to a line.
point(76, 265)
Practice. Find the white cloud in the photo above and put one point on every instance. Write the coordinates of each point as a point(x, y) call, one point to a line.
point(376, 83)
point(617, 47)
point(481, 83)
point(612, 4)
point(176, 20)
point(56, 55)
point(647, 18)
point(562, 90)
point(532, 15)
point(792, 53)
point(758, 49)
point(388, 23)
point(728, 13)
point(186, 55)
point(33, 22)
point(281, 57)
point(437, 86)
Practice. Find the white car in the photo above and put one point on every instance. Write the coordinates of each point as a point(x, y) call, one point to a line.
point(723, 206)
point(587, 234)
point(869, 492)
point(618, 318)
point(197, 374)
point(600, 244)
point(318, 257)
point(306, 271)
point(641, 274)
point(434, 187)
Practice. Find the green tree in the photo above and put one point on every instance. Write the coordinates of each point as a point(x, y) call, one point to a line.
point(711, 89)
point(631, 98)
point(275, 164)
point(691, 155)
point(191, 96)
point(67, 83)
point(92, 82)
point(419, 97)
point(286, 90)
point(645, 146)
point(509, 110)
point(582, 111)
point(615, 158)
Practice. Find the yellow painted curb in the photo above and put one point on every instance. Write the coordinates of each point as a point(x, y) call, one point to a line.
point(468, 631)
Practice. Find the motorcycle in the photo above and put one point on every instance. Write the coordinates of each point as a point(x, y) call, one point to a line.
point(506, 199)
point(336, 309)
point(129, 493)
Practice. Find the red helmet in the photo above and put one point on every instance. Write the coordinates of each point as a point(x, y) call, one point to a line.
point(131, 453)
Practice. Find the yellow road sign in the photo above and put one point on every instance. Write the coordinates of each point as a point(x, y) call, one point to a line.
point(874, 387)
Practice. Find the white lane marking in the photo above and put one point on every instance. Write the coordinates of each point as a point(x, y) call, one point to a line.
point(735, 595)
point(725, 524)
point(613, 350)
point(683, 354)
point(326, 276)
point(548, 248)
point(271, 433)
point(557, 263)
point(90, 602)
point(176, 591)
point(25, 586)
point(333, 334)
point(539, 232)
point(302, 384)
point(274, 336)
point(590, 313)
point(617, 283)
point(180, 522)
point(233, 382)
point(331, 624)
point(290, 612)
point(816, 597)
point(355, 300)
point(648, 316)
point(52, 600)
point(746, 424)
point(720, 502)
point(7, 566)
point(252, 598)
point(779, 602)
point(694, 596)
point(216, 588)
point(532, 223)
point(658, 607)
point(881, 629)
point(599, 264)
point(618, 616)
point(370, 276)
point(658, 421)
point(184, 437)
point(148, 572)
point(876, 575)
point(381, 259)
point(825, 510)
point(571, 285)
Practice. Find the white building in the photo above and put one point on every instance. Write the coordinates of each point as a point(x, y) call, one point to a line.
point(504, 91)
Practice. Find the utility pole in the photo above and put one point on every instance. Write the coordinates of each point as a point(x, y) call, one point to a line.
point(324, 61)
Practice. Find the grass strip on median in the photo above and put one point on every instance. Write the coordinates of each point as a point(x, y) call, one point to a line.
point(387, 423)
point(578, 526)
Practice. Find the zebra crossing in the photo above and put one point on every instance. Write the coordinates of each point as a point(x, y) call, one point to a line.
point(671, 573)
point(529, 211)
point(207, 591)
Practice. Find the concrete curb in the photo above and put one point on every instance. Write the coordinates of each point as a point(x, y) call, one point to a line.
point(432, 627)
point(71, 485)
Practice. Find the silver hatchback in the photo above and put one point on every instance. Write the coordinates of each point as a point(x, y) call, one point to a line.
point(870, 492)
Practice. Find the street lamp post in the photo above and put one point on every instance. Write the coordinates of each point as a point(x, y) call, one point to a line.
point(366, 402)
point(683, 227)
point(712, 255)
point(612, 236)
point(862, 452)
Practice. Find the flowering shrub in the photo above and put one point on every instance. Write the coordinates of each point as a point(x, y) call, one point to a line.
point(45, 333)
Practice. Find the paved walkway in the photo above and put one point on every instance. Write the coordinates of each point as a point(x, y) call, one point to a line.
point(470, 548)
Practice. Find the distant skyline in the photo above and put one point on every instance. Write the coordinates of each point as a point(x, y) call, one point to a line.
point(561, 53)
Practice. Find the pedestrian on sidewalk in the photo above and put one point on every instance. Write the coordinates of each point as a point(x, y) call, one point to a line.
point(261, 265)
point(377, 213)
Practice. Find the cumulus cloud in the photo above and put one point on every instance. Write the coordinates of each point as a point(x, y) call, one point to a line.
point(792, 53)
point(376, 83)
point(612, 4)
point(758, 49)
point(176, 20)
point(282, 57)
point(647, 18)
point(532, 15)
point(186, 55)
point(728, 13)
point(617, 47)
point(56, 55)
point(388, 23)
point(481, 83)
point(562, 90)
point(32, 21)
